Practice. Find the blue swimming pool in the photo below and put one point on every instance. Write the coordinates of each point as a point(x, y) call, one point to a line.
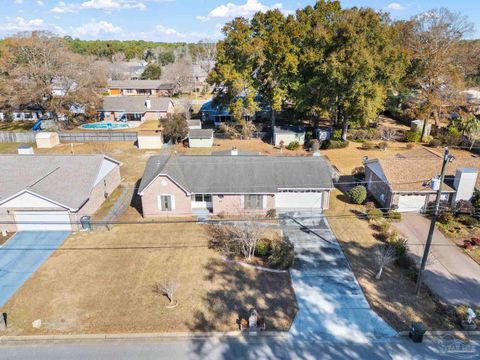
point(104, 126)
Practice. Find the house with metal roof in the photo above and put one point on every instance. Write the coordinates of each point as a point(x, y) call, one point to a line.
point(179, 185)
point(403, 182)
point(135, 108)
point(53, 192)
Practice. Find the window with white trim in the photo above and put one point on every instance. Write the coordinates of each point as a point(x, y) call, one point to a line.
point(253, 201)
point(165, 202)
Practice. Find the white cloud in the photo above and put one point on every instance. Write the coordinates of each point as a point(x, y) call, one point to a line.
point(105, 5)
point(94, 28)
point(231, 10)
point(174, 34)
point(18, 1)
point(395, 6)
point(39, 2)
point(20, 24)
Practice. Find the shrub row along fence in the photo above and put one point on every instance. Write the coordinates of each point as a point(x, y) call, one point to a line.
point(255, 135)
point(29, 136)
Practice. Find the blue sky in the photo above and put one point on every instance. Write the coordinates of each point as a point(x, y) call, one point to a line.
point(177, 20)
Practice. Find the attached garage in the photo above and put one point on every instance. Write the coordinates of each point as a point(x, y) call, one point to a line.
point(299, 200)
point(413, 203)
point(42, 221)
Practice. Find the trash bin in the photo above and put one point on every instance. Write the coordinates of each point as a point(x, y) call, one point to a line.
point(85, 221)
point(417, 330)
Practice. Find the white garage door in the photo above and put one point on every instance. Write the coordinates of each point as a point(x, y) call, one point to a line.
point(42, 221)
point(411, 203)
point(298, 200)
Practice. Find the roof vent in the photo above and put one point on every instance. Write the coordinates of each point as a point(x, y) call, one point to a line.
point(148, 103)
point(234, 151)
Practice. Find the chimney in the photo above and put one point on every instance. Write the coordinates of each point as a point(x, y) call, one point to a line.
point(148, 103)
point(234, 151)
point(464, 183)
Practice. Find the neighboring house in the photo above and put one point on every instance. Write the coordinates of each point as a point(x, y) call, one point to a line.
point(199, 78)
point(194, 124)
point(53, 192)
point(288, 134)
point(403, 182)
point(200, 138)
point(140, 87)
point(135, 108)
point(179, 185)
point(23, 114)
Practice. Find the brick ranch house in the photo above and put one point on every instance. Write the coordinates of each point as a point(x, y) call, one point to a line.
point(53, 192)
point(140, 87)
point(402, 182)
point(179, 185)
point(136, 108)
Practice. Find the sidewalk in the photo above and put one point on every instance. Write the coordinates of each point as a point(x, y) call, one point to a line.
point(450, 274)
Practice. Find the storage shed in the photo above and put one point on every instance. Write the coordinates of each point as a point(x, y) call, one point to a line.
point(288, 134)
point(47, 140)
point(200, 138)
point(150, 139)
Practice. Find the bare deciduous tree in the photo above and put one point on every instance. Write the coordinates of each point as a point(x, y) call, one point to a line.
point(206, 54)
point(117, 68)
point(388, 134)
point(167, 288)
point(180, 73)
point(384, 255)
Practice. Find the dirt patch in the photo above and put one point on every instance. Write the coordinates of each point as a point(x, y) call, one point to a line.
point(393, 296)
point(103, 282)
point(4, 239)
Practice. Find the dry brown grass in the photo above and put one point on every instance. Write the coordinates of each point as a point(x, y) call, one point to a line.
point(392, 297)
point(102, 282)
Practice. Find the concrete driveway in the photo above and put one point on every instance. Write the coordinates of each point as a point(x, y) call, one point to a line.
point(22, 255)
point(450, 273)
point(332, 306)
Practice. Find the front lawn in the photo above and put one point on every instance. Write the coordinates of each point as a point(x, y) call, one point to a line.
point(103, 282)
point(393, 296)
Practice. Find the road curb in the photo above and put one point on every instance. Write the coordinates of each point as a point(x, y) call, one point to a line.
point(442, 333)
point(140, 336)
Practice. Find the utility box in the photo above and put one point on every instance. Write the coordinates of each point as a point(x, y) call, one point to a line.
point(47, 140)
point(464, 183)
point(25, 150)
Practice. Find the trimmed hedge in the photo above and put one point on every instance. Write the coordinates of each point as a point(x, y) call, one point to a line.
point(358, 194)
point(334, 144)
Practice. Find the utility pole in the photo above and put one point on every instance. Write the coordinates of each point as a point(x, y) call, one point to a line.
point(446, 159)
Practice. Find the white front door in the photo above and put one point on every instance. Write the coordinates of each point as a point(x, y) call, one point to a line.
point(299, 200)
point(413, 203)
point(42, 221)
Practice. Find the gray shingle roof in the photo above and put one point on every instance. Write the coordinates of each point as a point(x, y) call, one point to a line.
point(140, 84)
point(134, 104)
point(239, 153)
point(240, 174)
point(200, 133)
point(64, 179)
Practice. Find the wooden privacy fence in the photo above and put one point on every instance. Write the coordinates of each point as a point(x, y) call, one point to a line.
point(98, 136)
point(17, 137)
point(29, 136)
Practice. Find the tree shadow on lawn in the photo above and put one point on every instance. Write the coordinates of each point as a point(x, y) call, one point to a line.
point(235, 290)
point(393, 296)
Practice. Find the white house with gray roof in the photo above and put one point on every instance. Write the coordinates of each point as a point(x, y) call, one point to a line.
point(178, 185)
point(53, 192)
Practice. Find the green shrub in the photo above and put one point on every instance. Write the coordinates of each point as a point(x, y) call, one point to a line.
point(467, 220)
point(435, 143)
point(400, 244)
point(412, 136)
point(294, 145)
point(374, 214)
point(337, 134)
point(427, 139)
point(361, 135)
point(367, 145)
point(282, 254)
point(263, 248)
point(382, 146)
point(358, 194)
point(369, 205)
point(394, 215)
point(446, 217)
point(334, 144)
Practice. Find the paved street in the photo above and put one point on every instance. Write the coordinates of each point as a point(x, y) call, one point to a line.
point(22, 255)
point(450, 273)
point(239, 348)
point(331, 303)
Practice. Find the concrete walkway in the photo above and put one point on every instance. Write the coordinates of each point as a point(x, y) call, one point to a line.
point(450, 273)
point(331, 303)
point(22, 255)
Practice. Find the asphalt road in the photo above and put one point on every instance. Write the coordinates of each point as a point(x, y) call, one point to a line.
point(240, 348)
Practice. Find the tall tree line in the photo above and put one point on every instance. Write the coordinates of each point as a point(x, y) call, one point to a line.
point(341, 64)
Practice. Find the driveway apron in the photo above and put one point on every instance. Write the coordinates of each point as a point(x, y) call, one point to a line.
point(331, 303)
